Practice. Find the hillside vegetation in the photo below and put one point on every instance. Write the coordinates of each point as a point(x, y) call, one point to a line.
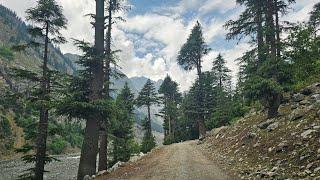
point(287, 146)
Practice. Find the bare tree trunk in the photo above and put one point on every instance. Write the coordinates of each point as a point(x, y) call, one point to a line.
point(201, 125)
point(270, 35)
point(103, 159)
point(41, 143)
point(274, 106)
point(278, 30)
point(260, 33)
point(89, 149)
point(149, 120)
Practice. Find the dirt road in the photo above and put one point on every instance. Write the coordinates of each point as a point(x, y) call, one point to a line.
point(181, 161)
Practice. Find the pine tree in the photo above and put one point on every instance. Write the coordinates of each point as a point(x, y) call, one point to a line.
point(220, 72)
point(171, 98)
point(48, 16)
point(314, 19)
point(148, 97)
point(113, 6)
point(269, 69)
point(123, 126)
point(89, 149)
point(148, 141)
point(190, 57)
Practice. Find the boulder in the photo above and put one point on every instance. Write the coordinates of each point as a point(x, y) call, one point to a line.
point(273, 126)
point(310, 165)
point(265, 124)
point(316, 170)
point(306, 133)
point(282, 147)
point(296, 114)
point(315, 97)
point(217, 131)
point(298, 97)
point(305, 102)
point(306, 91)
point(100, 173)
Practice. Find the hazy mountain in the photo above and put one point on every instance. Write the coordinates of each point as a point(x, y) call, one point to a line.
point(14, 31)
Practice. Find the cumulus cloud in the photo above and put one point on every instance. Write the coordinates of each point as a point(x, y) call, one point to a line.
point(150, 41)
point(218, 5)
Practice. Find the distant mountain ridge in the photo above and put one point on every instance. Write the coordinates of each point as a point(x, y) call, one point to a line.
point(14, 31)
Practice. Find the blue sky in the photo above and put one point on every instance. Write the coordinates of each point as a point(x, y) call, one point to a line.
point(151, 37)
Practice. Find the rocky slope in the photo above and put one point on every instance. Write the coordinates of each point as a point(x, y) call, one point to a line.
point(284, 147)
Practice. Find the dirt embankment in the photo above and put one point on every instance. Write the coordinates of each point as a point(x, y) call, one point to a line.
point(286, 147)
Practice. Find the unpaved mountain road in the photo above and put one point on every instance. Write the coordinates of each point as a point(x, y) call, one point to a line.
point(182, 161)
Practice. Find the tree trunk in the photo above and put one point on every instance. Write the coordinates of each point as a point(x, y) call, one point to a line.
point(103, 159)
point(278, 31)
point(270, 35)
point(274, 106)
point(43, 123)
point(89, 149)
point(260, 33)
point(149, 120)
point(201, 125)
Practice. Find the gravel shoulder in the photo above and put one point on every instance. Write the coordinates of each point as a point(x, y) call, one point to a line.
point(178, 161)
point(66, 168)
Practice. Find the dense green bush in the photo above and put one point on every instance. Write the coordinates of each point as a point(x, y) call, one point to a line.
point(148, 142)
point(168, 140)
point(6, 53)
point(57, 145)
point(5, 129)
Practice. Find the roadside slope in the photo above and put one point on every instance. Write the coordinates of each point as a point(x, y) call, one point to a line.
point(286, 147)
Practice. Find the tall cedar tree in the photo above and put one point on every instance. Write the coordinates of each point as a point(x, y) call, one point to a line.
point(89, 149)
point(265, 75)
point(190, 57)
point(113, 6)
point(171, 98)
point(48, 16)
point(123, 127)
point(148, 97)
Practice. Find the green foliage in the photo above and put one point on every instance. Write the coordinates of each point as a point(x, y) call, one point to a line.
point(257, 88)
point(6, 53)
point(315, 15)
point(69, 131)
point(5, 128)
point(122, 126)
point(47, 12)
point(171, 99)
point(57, 145)
point(169, 139)
point(148, 95)
point(190, 55)
point(148, 142)
point(221, 73)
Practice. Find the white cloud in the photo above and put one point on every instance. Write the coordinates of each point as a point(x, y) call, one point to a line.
point(221, 6)
point(151, 41)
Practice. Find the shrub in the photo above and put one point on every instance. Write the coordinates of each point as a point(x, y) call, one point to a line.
point(168, 140)
point(148, 142)
point(57, 145)
point(5, 128)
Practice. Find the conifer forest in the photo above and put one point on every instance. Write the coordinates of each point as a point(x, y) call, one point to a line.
point(159, 89)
